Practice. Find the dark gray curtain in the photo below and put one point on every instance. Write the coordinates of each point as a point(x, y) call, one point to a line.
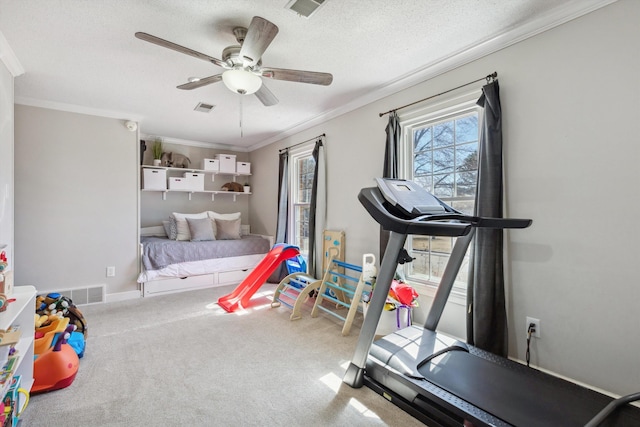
point(390, 169)
point(283, 198)
point(311, 262)
point(283, 212)
point(486, 312)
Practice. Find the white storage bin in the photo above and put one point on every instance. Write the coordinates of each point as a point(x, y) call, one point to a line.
point(195, 181)
point(211, 165)
point(227, 163)
point(154, 179)
point(178, 183)
point(243, 167)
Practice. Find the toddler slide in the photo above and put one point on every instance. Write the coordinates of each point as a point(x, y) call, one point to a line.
point(242, 294)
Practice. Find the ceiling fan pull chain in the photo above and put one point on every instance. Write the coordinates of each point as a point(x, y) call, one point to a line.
point(241, 133)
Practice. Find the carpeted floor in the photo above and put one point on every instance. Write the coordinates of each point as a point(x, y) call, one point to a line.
point(180, 360)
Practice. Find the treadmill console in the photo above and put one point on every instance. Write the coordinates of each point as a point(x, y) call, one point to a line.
point(408, 197)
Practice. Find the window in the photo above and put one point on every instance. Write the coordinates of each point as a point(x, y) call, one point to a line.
point(442, 156)
point(302, 167)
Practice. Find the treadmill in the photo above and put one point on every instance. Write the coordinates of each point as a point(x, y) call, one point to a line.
point(445, 382)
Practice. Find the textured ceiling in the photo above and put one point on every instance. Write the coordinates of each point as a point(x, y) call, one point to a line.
point(82, 56)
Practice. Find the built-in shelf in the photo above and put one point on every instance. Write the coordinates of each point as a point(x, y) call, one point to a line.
point(20, 314)
point(213, 173)
point(190, 192)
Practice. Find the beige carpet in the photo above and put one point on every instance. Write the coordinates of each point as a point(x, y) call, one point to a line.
point(180, 360)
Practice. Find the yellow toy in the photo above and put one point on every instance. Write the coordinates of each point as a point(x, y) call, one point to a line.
point(41, 320)
point(44, 335)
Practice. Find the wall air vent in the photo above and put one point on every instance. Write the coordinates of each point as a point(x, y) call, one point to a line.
point(85, 296)
point(204, 108)
point(304, 8)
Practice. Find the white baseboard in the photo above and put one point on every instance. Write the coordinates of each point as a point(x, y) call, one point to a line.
point(123, 296)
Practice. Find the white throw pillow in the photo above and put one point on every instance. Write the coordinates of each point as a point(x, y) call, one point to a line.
point(157, 231)
point(225, 217)
point(183, 227)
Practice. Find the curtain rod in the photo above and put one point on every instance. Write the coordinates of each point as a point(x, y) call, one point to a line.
point(488, 78)
point(300, 143)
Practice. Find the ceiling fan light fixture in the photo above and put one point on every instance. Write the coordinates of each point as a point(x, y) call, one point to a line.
point(241, 81)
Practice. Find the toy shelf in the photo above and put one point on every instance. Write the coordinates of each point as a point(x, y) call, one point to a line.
point(21, 313)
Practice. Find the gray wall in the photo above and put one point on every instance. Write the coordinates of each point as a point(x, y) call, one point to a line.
point(570, 98)
point(76, 200)
point(6, 162)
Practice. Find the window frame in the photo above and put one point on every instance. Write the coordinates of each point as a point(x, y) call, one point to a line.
point(296, 154)
point(452, 107)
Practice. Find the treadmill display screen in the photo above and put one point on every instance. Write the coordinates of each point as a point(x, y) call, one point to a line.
point(409, 197)
point(402, 187)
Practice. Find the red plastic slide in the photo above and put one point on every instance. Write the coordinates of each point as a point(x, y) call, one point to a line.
point(245, 290)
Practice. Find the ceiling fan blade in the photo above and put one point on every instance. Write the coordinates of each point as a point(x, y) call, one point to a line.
point(170, 45)
point(259, 36)
point(266, 96)
point(299, 76)
point(202, 82)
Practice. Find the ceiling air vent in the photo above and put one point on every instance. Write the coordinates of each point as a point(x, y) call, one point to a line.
point(304, 8)
point(204, 108)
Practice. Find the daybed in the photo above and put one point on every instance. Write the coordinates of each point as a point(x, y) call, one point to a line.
point(184, 254)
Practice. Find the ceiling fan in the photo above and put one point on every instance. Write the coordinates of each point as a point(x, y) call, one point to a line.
point(243, 63)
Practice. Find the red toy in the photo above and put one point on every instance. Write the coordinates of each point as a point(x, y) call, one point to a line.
point(241, 295)
point(57, 367)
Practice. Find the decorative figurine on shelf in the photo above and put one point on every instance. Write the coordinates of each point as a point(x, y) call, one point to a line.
point(233, 186)
point(3, 261)
point(175, 160)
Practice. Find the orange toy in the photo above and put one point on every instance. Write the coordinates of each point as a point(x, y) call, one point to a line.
point(45, 334)
point(57, 367)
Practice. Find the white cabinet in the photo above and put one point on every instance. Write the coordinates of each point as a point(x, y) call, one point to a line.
point(209, 176)
point(21, 313)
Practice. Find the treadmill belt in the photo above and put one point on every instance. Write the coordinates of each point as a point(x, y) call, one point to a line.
point(512, 395)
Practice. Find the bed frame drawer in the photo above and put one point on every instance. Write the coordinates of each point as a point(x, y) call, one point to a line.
point(178, 285)
point(235, 276)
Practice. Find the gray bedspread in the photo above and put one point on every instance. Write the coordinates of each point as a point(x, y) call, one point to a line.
point(159, 252)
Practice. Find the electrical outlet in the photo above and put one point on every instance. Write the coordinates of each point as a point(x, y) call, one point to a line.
point(111, 271)
point(536, 325)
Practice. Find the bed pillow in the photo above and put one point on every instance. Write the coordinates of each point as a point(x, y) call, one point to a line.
point(156, 231)
point(228, 230)
point(225, 217)
point(170, 228)
point(183, 227)
point(200, 229)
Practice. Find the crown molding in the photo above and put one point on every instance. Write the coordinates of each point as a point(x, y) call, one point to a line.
point(9, 58)
point(80, 109)
point(72, 108)
point(560, 15)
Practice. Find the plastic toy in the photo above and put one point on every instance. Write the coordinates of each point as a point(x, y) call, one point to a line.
point(57, 367)
point(52, 304)
point(58, 305)
point(15, 402)
point(44, 336)
point(42, 320)
point(241, 295)
point(3, 261)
